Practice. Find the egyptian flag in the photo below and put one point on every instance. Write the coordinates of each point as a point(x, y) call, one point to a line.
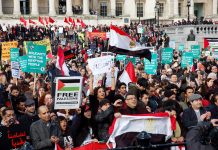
point(66, 21)
point(71, 21)
point(31, 21)
point(83, 25)
point(46, 20)
point(41, 20)
point(78, 21)
point(23, 21)
point(51, 20)
point(122, 43)
point(125, 129)
point(128, 74)
point(60, 64)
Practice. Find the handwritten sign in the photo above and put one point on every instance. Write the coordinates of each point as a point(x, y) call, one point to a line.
point(36, 61)
point(6, 46)
point(167, 56)
point(14, 53)
point(12, 137)
point(101, 64)
point(151, 67)
point(187, 59)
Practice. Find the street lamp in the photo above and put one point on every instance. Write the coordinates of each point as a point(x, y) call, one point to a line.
point(158, 11)
point(155, 11)
point(188, 5)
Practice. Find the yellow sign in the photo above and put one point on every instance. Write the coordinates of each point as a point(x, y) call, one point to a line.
point(6, 46)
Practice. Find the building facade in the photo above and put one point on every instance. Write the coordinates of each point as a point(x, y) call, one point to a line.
point(135, 9)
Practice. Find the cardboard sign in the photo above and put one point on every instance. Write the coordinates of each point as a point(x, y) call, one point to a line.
point(36, 61)
point(101, 65)
point(196, 50)
point(167, 56)
point(6, 46)
point(68, 92)
point(187, 59)
point(151, 67)
point(92, 35)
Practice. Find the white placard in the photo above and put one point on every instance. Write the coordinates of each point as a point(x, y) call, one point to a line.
point(101, 64)
point(15, 69)
point(68, 92)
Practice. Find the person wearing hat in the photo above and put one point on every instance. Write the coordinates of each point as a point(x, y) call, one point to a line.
point(104, 119)
point(195, 113)
point(30, 115)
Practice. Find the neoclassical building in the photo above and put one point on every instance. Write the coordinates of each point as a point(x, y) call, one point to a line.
point(135, 9)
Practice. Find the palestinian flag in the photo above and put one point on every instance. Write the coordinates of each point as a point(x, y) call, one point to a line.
point(208, 42)
point(122, 43)
point(68, 85)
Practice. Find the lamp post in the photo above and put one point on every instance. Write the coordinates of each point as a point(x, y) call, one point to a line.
point(188, 5)
point(155, 11)
point(158, 11)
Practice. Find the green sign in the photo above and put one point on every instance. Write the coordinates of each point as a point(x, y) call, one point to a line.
point(196, 51)
point(151, 67)
point(36, 61)
point(181, 47)
point(23, 63)
point(132, 59)
point(14, 54)
point(120, 57)
point(167, 56)
point(187, 59)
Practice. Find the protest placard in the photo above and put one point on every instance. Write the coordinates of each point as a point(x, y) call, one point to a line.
point(36, 60)
point(23, 62)
point(15, 69)
point(101, 64)
point(92, 35)
point(181, 47)
point(196, 50)
point(150, 67)
point(68, 93)
point(107, 53)
point(172, 44)
point(14, 54)
point(45, 42)
point(167, 56)
point(6, 46)
point(187, 59)
point(120, 57)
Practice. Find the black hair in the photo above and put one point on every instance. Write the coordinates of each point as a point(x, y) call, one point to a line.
point(14, 87)
point(4, 112)
point(142, 82)
point(171, 86)
point(96, 90)
point(188, 87)
point(121, 84)
point(214, 98)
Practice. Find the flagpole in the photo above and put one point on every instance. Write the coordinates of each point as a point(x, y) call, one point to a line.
point(34, 84)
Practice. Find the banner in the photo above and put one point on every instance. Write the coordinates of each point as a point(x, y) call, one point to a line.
point(151, 67)
point(6, 46)
point(120, 57)
point(68, 54)
point(101, 64)
point(92, 35)
point(14, 54)
point(68, 92)
point(167, 56)
point(12, 137)
point(187, 59)
point(15, 69)
point(36, 60)
point(23, 63)
point(196, 50)
point(210, 42)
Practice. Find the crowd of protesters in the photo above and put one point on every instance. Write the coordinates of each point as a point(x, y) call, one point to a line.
point(189, 94)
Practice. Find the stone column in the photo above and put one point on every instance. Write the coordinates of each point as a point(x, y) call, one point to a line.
point(214, 7)
point(35, 9)
point(1, 12)
point(176, 8)
point(192, 9)
point(69, 8)
point(113, 7)
point(16, 7)
point(52, 11)
point(86, 7)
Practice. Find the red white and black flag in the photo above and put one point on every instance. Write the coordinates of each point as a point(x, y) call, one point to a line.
point(122, 43)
